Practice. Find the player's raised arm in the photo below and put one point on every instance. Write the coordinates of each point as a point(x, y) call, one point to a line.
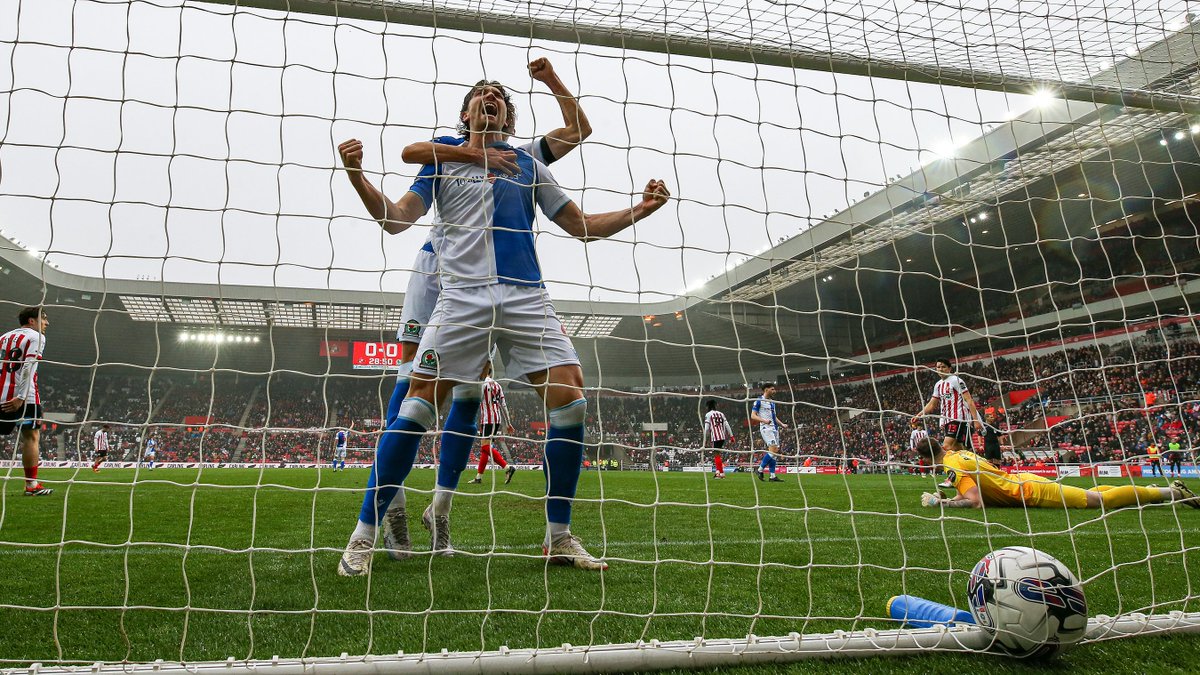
point(575, 127)
point(393, 217)
point(589, 227)
point(433, 152)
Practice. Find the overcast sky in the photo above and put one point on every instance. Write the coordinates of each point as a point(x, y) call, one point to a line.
point(196, 143)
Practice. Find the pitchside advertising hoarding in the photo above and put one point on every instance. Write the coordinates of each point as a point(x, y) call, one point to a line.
point(375, 355)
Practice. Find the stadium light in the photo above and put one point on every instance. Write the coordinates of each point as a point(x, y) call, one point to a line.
point(983, 215)
point(1043, 97)
point(1195, 128)
point(1162, 141)
point(1179, 135)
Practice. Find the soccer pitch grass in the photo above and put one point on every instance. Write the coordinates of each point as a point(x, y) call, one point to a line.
point(230, 562)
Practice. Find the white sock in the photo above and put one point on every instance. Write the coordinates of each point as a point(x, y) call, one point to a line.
point(400, 501)
point(441, 500)
point(364, 531)
point(556, 530)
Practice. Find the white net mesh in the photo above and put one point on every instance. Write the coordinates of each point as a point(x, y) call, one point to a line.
point(172, 194)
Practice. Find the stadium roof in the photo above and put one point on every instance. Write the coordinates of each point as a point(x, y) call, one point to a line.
point(902, 261)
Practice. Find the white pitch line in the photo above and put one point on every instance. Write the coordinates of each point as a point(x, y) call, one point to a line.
point(152, 548)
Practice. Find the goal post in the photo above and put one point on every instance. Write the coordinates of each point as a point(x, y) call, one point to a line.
point(713, 41)
point(649, 656)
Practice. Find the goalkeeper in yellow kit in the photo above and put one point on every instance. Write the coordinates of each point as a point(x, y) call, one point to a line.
point(978, 483)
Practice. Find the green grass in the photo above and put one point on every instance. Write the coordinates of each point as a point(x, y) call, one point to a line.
point(243, 563)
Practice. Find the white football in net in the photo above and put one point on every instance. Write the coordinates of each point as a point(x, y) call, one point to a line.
point(1030, 602)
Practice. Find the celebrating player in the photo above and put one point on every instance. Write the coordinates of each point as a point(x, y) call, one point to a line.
point(957, 408)
point(493, 415)
point(483, 235)
point(21, 350)
point(339, 450)
point(716, 432)
point(151, 452)
point(99, 448)
point(980, 484)
point(423, 285)
point(763, 414)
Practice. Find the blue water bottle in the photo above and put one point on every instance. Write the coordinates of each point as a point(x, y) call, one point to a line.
point(921, 613)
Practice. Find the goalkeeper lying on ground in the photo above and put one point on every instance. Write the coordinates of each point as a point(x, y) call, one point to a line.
point(978, 483)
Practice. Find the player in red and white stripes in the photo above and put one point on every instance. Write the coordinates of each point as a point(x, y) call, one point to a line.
point(99, 448)
point(956, 407)
point(20, 400)
point(493, 416)
point(716, 432)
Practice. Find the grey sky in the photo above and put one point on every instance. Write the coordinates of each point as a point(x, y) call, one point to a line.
point(220, 165)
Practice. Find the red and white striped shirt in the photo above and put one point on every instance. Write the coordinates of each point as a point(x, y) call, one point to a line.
point(716, 427)
point(20, 352)
point(101, 441)
point(915, 437)
point(493, 409)
point(949, 392)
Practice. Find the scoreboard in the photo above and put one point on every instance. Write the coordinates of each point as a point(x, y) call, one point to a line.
point(375, 355)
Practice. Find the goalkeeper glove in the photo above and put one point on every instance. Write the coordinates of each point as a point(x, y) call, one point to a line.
point(929, 499)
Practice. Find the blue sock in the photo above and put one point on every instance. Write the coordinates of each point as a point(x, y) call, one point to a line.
point(564, 459)
point(394, 457)
point(398, 393)
point(458, 435)
point(772, 464)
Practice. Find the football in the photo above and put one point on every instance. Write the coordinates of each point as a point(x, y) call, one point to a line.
point(1028, 601)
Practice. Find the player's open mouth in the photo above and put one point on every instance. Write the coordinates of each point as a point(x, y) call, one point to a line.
point(490, 109)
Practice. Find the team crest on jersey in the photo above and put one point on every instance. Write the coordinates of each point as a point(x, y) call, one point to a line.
point(429, 359)
point(413, 327)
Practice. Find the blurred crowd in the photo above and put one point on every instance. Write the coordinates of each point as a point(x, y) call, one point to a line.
point(1090, 403)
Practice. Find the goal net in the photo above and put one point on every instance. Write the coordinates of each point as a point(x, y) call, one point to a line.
point(857, 191)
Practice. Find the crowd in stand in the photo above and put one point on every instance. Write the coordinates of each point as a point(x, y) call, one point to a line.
point(1089, 403)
